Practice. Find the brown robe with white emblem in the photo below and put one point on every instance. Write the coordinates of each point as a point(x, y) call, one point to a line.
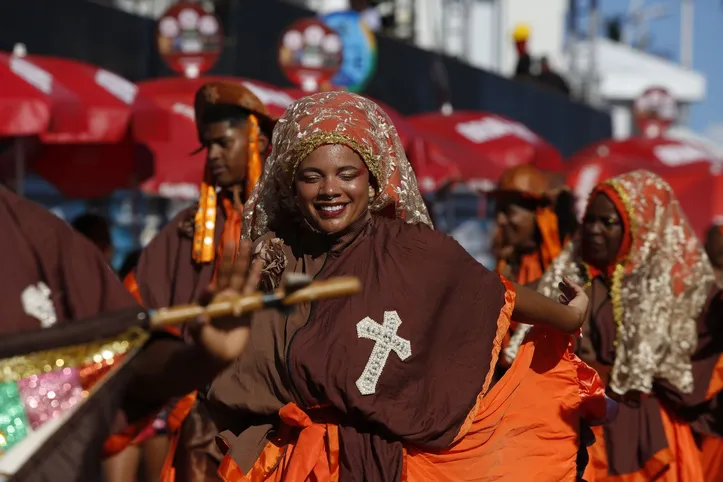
point(38, 247)
point(450, 308)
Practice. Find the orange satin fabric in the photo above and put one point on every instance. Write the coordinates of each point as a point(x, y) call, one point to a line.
point(711, 450)
point(175, 421)
point(716, 381)
point(131, 285)
point(304, 451)
point(711, 457)
point(205, 222)
point(116, 443)
point(231, 235)
point(680, 462)
point(527, 425)
point(516, 431)
point(551, 244)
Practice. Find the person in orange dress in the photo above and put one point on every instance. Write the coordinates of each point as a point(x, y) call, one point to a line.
point(652, 332)
point(534, 219)
point(393, 383)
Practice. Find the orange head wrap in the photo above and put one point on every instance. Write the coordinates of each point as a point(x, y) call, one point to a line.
point(623, 211)
point(529, 183)
point(234, 94)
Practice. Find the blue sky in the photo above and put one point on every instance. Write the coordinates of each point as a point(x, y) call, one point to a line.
point(707, 116)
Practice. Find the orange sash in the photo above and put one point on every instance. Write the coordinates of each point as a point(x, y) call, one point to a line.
point(305, 450)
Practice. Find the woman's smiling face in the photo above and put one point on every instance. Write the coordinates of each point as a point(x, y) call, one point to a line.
point(332, 188)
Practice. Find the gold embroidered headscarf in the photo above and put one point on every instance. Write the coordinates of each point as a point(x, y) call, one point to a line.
point(334, 118)
point(658, 288)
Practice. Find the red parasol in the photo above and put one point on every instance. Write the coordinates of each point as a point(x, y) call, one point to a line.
point(170, 133)
point(688, 169)
point(434, 171)
point(484, 145)
point(62, 100)
point(82, 170)
point(69, 115)
point(401, 123)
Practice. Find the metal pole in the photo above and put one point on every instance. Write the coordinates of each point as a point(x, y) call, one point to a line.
point(403, 19)
point(592, 42)
point(498, 30)
point(686, 33)
point(444, 29)
point(572, 50)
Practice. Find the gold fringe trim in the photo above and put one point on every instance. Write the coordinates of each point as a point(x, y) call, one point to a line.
point(254, 165)
point(309, 144)
point(619, 273)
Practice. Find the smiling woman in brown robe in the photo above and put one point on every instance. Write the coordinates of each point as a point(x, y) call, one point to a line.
point(653, 331)
point(392, 383)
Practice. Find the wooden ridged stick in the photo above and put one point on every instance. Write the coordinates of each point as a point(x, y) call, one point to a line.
point(332, 288)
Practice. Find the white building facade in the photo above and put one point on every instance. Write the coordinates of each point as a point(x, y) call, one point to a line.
point(479, 32)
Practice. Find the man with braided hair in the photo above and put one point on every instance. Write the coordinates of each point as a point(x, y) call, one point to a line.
point(177, 267)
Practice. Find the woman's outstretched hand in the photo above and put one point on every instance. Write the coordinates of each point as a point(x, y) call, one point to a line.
point(226, 338)
point(573, 295)
point(568, 315)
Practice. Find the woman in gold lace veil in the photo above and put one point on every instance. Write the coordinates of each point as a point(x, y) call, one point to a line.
point(653, 297)
point(305, 127)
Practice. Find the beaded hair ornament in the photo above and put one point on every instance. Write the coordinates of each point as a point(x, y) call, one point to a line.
point(658, 288)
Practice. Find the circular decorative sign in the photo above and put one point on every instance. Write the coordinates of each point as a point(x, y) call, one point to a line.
point(189, 38)
point(310, 54)
point(359, 49)
point(655, 111)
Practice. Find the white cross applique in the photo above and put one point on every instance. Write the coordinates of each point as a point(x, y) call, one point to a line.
point(387, 341)
point(38, 304)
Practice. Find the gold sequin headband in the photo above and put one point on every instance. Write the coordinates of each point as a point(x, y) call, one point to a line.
point(312, 142)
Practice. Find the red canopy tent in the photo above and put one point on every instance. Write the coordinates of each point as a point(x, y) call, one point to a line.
point(62, 100)
point(61, 110)
point(484, 145)
point(433, 169)
point(688, 168)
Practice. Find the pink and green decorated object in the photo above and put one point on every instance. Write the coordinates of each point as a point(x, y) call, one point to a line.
point(42, 386)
